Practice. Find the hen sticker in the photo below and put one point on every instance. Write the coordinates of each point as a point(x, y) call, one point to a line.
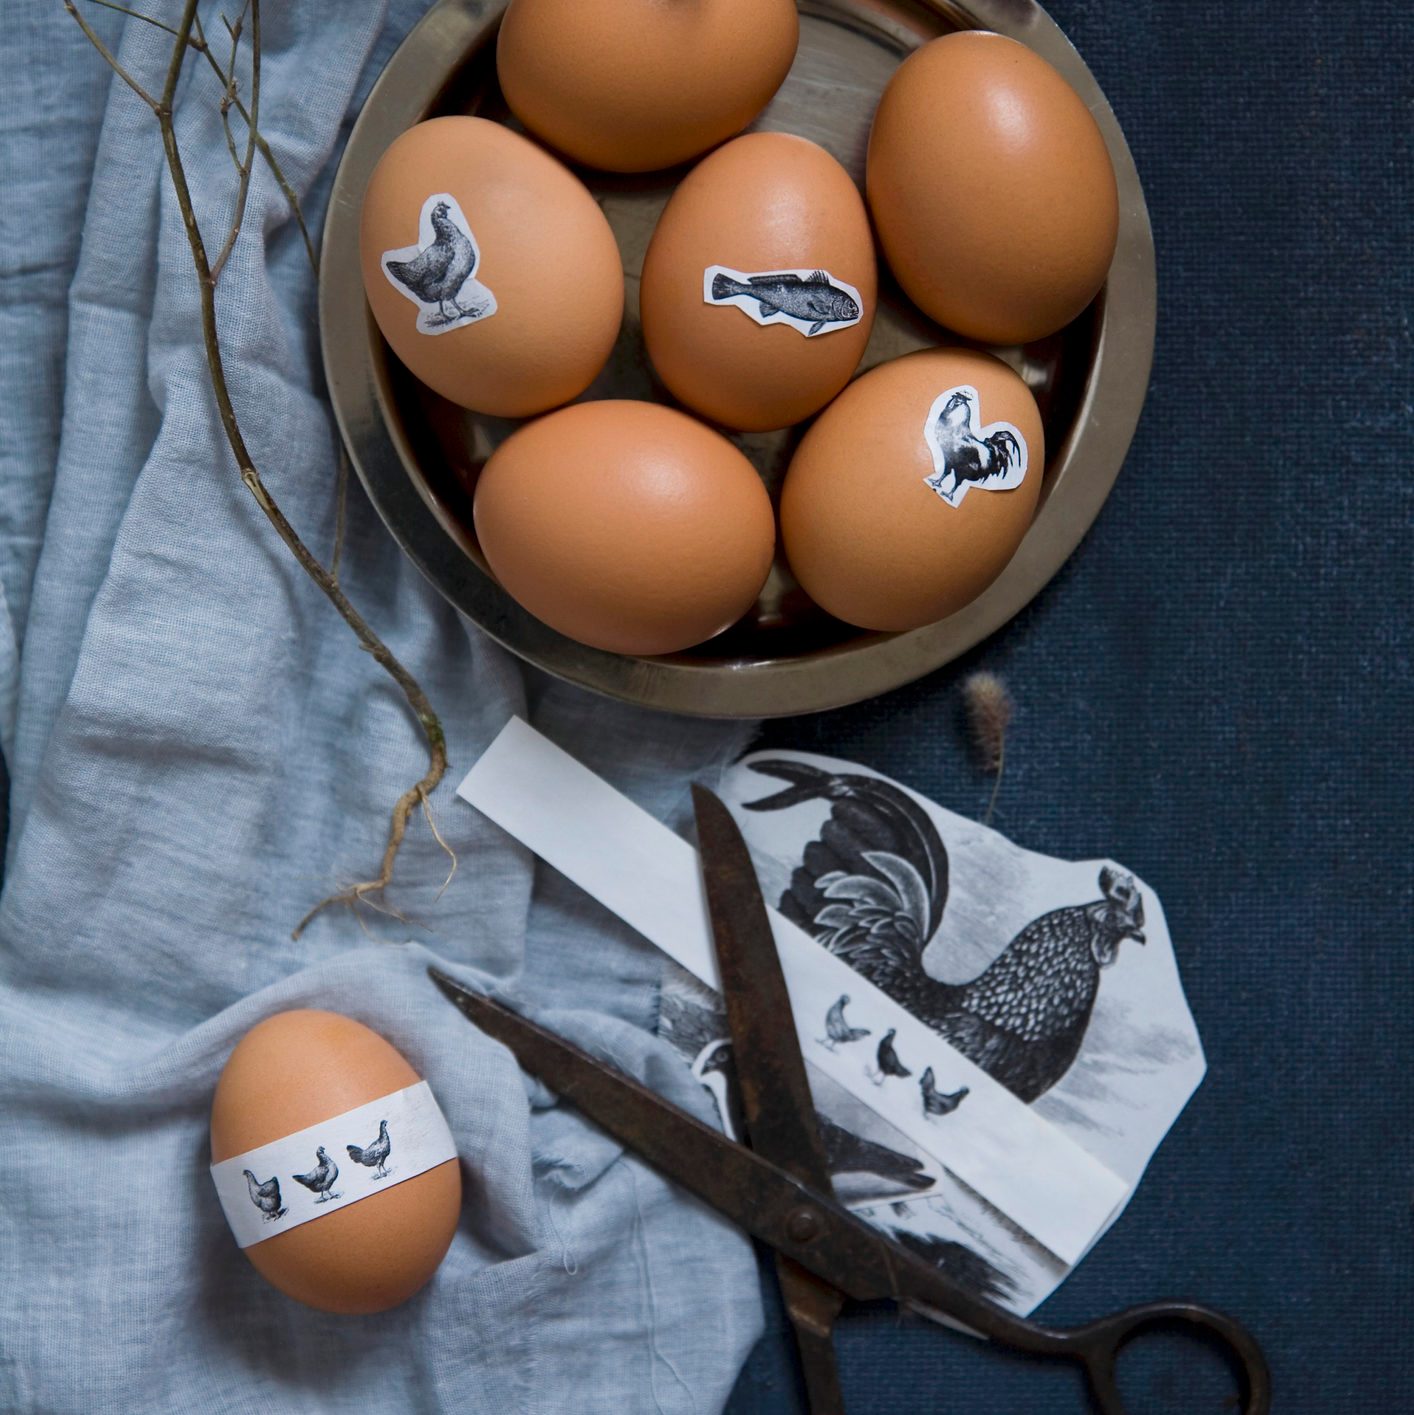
point(810, 301)
point(438, 274)
point(966, 454)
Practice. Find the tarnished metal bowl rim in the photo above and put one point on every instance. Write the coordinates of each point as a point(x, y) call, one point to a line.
point(1080, 472)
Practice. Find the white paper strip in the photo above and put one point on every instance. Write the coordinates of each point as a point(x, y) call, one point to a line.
point(638, 868)
point(259, 1191)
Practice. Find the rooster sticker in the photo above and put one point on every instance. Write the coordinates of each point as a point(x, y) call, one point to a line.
point(991, 458)
point(438, 273)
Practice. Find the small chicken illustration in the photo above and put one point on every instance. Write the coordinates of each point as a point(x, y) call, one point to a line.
point(265, 1196)
point(889, 1064)
point(439, 273)
point(375, 1154)
point(872, 888)
point(992, 457)
point(837, 1030)
point(860, 1168)
point(321, 1178)
point(936, 1102)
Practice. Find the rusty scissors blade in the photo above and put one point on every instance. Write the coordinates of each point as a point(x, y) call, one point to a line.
point(777, 1108)
point(820, 1235)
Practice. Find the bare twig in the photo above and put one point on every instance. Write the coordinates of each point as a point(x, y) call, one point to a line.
point(187, 35)
point(107, 54)
point(133, 14)
point(244, 166)
point(341, 509)
point(437, 836)
point(198, 42)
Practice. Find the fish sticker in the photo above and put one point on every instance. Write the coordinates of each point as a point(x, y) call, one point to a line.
point(811, 301)
point(965, 454)
point(438, 274)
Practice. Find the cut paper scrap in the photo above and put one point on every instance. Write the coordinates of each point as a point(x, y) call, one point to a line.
point(1021, 1163)
point(1139, 1057)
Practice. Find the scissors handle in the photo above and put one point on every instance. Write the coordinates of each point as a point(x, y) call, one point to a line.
point(1096, 1346)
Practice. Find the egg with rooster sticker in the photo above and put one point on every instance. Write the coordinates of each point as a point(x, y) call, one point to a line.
point(913, 489)
point(334, 1165)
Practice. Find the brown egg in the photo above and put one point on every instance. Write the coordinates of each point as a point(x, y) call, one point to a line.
point(759, 284)
point(489, 268)
point(912, 490)
point(627, 526)
point(635, 85)
point(991, 189)
point(295, 1070)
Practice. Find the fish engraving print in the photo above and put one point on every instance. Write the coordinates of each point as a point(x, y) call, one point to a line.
point(966, 454)
point(438, 274)
point(810, 301)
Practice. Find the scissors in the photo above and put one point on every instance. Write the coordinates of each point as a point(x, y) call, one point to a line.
point(779, 1188)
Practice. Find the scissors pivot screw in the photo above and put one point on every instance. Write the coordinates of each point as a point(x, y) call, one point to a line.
point(803, 1225)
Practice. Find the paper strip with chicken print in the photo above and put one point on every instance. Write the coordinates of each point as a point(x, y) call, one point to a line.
point(438, 274)
point(327, 1167)
point(1026, 1167)
point(1055, 978)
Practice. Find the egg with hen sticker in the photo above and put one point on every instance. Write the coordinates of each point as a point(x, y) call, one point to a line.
point(911, 492)
point(331, 1208)
point(489, 267)
point(759, 284)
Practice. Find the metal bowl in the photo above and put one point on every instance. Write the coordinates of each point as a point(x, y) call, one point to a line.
point(418, 456)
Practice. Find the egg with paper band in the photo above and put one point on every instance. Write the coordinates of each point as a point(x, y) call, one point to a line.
point(912, 490)
point(489, 268)
point(297, 1070)
point(991, 188)
point(637, 85)
point(627, 526)
point(759, 284)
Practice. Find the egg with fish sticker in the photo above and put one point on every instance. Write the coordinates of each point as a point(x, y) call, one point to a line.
point(334, 1165)
point(912, 491)
point(489, 268)
point(759, 284)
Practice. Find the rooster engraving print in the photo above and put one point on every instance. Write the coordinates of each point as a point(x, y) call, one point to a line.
point(992, 458)
point(872, 888)
point(437, 274)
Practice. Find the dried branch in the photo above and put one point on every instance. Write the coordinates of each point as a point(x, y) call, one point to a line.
point(186, 36)
point(198, 42)
point(245, 166)
point(132, 14)
point(92, 37)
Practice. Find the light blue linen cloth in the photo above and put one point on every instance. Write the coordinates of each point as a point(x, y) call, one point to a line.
point(200, 750)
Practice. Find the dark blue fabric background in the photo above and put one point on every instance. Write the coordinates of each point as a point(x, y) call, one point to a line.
point(1216, 691)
